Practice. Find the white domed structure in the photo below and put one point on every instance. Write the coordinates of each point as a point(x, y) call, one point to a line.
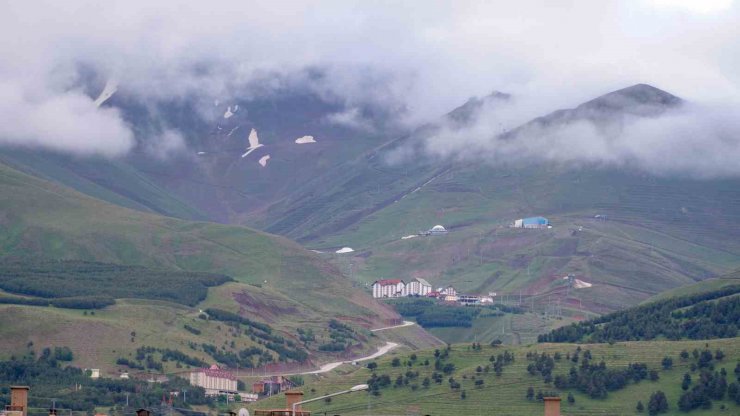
point(438, 229)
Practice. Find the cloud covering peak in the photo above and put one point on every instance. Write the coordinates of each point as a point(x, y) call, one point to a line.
point(421, 57)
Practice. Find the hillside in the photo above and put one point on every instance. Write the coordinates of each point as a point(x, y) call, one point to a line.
point(629, 234)
point(705, 315)
point(506, 394)
point(709, 285)
point(207, 178)
point(276, 282)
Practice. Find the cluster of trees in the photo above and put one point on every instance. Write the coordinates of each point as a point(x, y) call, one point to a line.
point(48, 378)
point(259, 332)
point(710, 386)
point(145, 359)
point(500, 360)
point(243, 358)
point(593, 379)
point(341, 336)
point(75, 302)
point(429, 313)
point(90, 285)
point(707, 315)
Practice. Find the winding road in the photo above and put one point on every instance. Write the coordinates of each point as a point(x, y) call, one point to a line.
point(380, 352)
point(330, 366)
point(405, 323)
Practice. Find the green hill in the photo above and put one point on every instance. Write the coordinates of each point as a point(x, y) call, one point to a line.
point(276, 282)
point(704, 315)
point(506, 394)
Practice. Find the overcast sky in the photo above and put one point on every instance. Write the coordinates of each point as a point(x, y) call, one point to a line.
point(430, 56)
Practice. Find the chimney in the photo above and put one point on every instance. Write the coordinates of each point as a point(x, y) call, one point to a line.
point(19, 399)
point(52, 412)
point(552, 406)
point(293, 397)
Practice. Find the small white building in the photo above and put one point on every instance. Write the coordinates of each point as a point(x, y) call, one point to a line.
point(214, 380)
point(418, 286)
point(389, 288)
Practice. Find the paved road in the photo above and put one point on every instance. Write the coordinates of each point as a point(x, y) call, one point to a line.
point(405, 323)
point(330, 366)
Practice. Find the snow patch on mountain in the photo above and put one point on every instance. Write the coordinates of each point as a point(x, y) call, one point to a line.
point(111, 86)
point(263, 160)
point(305, 140)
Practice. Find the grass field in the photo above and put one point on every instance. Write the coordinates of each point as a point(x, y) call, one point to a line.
point(505, 395)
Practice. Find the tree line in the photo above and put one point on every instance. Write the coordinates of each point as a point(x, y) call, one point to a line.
point(707, 315)
point(88, 285)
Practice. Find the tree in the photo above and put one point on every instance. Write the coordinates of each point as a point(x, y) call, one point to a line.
point(530, 393)
point(571, 399)
point(396, 362)
point(654, 375)
point(372, 365)
point(719, 355)
point(426, 382)
point(463, 395)
point(684, 355)
point(639, 407)
point(496, 343)
point(479, 383)
point(658, 403)
point(667, 363)
point(686, 381)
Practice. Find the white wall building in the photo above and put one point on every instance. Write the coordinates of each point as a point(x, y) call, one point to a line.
point(449, 290)
point(214, 380)
point(389, 288)
point(418, 286)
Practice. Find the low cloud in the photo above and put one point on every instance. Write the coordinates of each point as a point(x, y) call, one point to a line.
point(694, 140)
point(414, 61)
point(67, 121)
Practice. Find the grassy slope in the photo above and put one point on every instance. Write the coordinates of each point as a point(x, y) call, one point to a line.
point(51, 221)
point(657, 237)
point(701, 287)
point(505, 395)
point(112, 181)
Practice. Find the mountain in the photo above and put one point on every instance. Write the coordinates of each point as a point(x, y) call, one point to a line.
point(207, 177)
point(628, 233)
point(178, 267)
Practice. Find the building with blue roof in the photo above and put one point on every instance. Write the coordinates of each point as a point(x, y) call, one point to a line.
point(532, 222)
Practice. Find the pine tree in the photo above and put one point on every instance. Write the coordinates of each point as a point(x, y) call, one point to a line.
point(658, 403)
point(530, 393)
point(571, 399)
point(639, 406)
